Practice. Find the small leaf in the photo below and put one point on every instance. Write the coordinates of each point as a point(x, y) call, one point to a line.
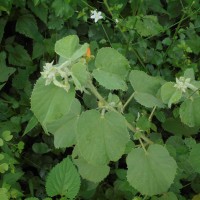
point(194, 158)
point(40, 148)
point(153, 172)
point(80, 75)
point(111, 69)
point(168, 196)
point(189, 112)
point(3, 194)
point(7, 136)
point(63, 180)
point(5, 71)
point(1, 142)
point(3, 167)
point(170, 94)
point(101, 139)
point(148, 25)
point(31, 124)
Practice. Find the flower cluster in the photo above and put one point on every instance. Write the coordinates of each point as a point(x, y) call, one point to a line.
point(183, 84)
point(59, 76)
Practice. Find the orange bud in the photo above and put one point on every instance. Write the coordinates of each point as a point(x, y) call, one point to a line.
point(88, 53)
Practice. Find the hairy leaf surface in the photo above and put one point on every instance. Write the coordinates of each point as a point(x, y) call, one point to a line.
point(153, 172)
point(111, 69)
point(101, 138)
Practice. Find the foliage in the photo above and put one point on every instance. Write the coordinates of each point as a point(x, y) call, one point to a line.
point(114, 112)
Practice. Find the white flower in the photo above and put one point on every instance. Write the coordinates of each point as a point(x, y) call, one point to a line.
point(96, 15)
point(116, 20)
point(183, 83)
point(49, 73)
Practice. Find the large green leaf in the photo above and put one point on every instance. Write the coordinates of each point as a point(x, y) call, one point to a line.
point(101, 138)
point(148, 25)
point(142, 82)
point(3, 194)
point(49, 102)
point(170, 94)
point(69, 48)
point(26, 24)
point(63, 180)
point(91, 172)
point(64, 129)
point(111, 69)
point(148, 100)
point(189, 112)
point(194, 158)
point(175, 126)
point(151, 172)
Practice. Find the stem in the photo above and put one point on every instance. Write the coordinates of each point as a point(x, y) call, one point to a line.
point(106, 35)
point(152, 112)
point(127, 102)
point(96, 93)
point(143, 146)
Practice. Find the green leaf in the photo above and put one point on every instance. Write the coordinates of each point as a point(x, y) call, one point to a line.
point(80, 75)
point(5, 71)
point(6, 135)
point(6, 5)
point(148, 26)
point(189, 112)
point(50, 103)
point(3, 167)
point(63, 180)
point(3, 194)
point(41, 11)
point(111, 69)
point(170, 94)
point(40, 148)
point(194, 158)
point(168, 196)
point(2, 26)
point(1, 142)
point(18, 56)
point(27, 25)
point(153, 172)
point(142, 82)
point(101, 139)
point(148, 100)
point(64, 129)
point(31, 124)
point(91, 172)
point(69, 48)
point(175, 126)
point(62, 8)
point(32, 198)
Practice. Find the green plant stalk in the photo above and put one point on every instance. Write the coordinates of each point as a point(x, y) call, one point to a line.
point(128, 101)
point(143, 147)
point(152, 112)
point(101, 99)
